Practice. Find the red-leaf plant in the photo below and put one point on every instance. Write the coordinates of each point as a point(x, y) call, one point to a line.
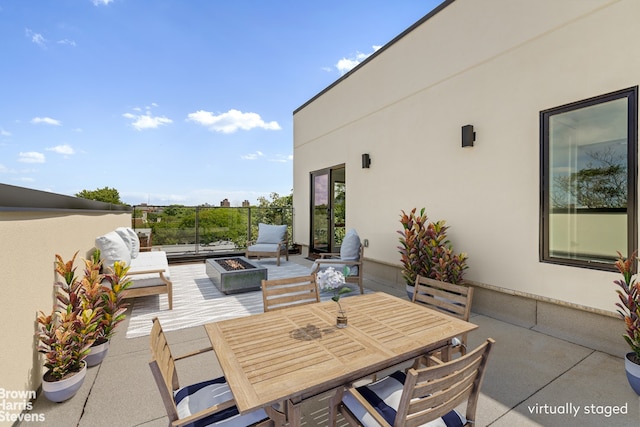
point(425, 250)
point(67, 334)
point(629, 305)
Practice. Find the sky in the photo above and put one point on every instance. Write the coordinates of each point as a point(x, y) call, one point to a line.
point(173, 101)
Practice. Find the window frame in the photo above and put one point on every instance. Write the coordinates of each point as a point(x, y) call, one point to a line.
point(631, 94)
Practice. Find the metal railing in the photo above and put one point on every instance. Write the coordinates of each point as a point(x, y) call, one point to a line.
point(204, 230)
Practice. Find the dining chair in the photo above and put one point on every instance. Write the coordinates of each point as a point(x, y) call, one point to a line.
point(351, 255)
point(454, 300)
point(418, 396)
point(208, 403)
point(292, 291)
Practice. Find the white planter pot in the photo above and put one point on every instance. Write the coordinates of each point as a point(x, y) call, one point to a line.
point(59, 391)
point(97, 354)
point(633, 373)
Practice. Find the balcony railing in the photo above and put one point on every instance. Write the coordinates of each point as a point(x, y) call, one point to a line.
point(203, 231)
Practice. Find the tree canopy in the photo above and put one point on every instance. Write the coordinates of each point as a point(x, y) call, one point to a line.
point(106, 194)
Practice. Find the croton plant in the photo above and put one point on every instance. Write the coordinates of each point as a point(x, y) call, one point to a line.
point(629, 305)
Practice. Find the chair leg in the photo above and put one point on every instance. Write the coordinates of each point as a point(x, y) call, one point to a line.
point(334, 403)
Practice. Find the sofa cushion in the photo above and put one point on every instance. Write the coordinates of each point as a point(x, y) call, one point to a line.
point(271, 233)
point(153, 260)
point(112, 248)
point(350, 248)
point(130, 239)
point(264, 247)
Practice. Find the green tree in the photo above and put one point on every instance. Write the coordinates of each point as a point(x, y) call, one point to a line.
point(106, 194)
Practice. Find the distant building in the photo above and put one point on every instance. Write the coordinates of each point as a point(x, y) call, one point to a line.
point(225, 203)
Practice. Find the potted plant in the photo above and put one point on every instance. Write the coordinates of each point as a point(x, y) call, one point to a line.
point(106, 301)
point(65, 336)
point(334, 281)
point(629, 311)
point(425, 251)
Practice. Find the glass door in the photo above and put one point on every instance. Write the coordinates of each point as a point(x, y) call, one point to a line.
point(328, 201)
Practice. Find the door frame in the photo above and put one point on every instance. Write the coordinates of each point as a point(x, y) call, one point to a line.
point(331, 172)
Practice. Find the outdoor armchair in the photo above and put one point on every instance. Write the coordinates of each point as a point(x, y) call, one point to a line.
point(418, 396)
point(206, 403)
point(351, 255)
point(273, 241)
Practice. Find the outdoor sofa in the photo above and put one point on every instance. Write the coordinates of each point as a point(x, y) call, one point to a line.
point(149, 270)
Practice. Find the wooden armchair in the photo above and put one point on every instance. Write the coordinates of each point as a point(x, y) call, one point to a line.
point(282, 293)
point(454, 300)
point(214, 394)
point(427, 394)
point(273, 241)
point(351, 255)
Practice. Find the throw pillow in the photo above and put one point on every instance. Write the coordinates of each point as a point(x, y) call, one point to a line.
point(112, 249)
point(130, 239)
point(350, 248)
point(271, 233)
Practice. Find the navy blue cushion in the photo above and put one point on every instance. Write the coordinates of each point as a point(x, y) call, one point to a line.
point(197, 397)
point(384, 395)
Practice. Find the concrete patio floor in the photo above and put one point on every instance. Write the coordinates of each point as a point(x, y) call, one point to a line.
point(532, 380)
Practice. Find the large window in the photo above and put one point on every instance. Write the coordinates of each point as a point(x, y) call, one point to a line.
point(589, 180)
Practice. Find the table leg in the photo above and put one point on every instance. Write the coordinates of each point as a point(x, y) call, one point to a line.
point(294, 413)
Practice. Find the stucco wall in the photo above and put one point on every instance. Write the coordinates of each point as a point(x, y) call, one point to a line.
point(28, 244)
point(494, 64)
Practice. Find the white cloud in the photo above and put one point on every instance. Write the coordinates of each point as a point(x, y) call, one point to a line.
point(4, 132)
point(231, 121)
point(65, 149)
point(253, 156)
point(347, 64)
point(147, 121)
point(31, 157)
point(46, 121)
point(25, 179)
point(67, 42)
point(281, 158)
point(101, 2)
point(36, 38)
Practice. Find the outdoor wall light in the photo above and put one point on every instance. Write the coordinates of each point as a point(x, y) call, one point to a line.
point(366, 161)
point(468, 136)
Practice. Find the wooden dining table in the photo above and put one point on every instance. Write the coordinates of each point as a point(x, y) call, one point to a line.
point(293, 354)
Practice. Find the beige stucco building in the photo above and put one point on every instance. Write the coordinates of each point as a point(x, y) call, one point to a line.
point(497, 65)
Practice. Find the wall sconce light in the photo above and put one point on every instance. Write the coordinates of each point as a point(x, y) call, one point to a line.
point(468, 136)
point(366, 161)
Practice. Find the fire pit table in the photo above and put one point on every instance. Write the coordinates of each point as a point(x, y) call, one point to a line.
point(235, 274)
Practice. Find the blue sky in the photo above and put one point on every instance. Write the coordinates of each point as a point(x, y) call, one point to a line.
point(173, 101)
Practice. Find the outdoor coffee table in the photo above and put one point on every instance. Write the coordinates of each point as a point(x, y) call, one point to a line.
point(233, 275)
point(293, 354)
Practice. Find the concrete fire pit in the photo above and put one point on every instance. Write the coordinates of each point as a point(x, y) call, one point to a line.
point(235, 274)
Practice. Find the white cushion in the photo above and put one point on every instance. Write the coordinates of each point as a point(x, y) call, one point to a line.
point(385, 396)
point(350, 248)
point(198, 397)
point(113, 248)
point(271, 233)
point(130, 239)
point(149, 261)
